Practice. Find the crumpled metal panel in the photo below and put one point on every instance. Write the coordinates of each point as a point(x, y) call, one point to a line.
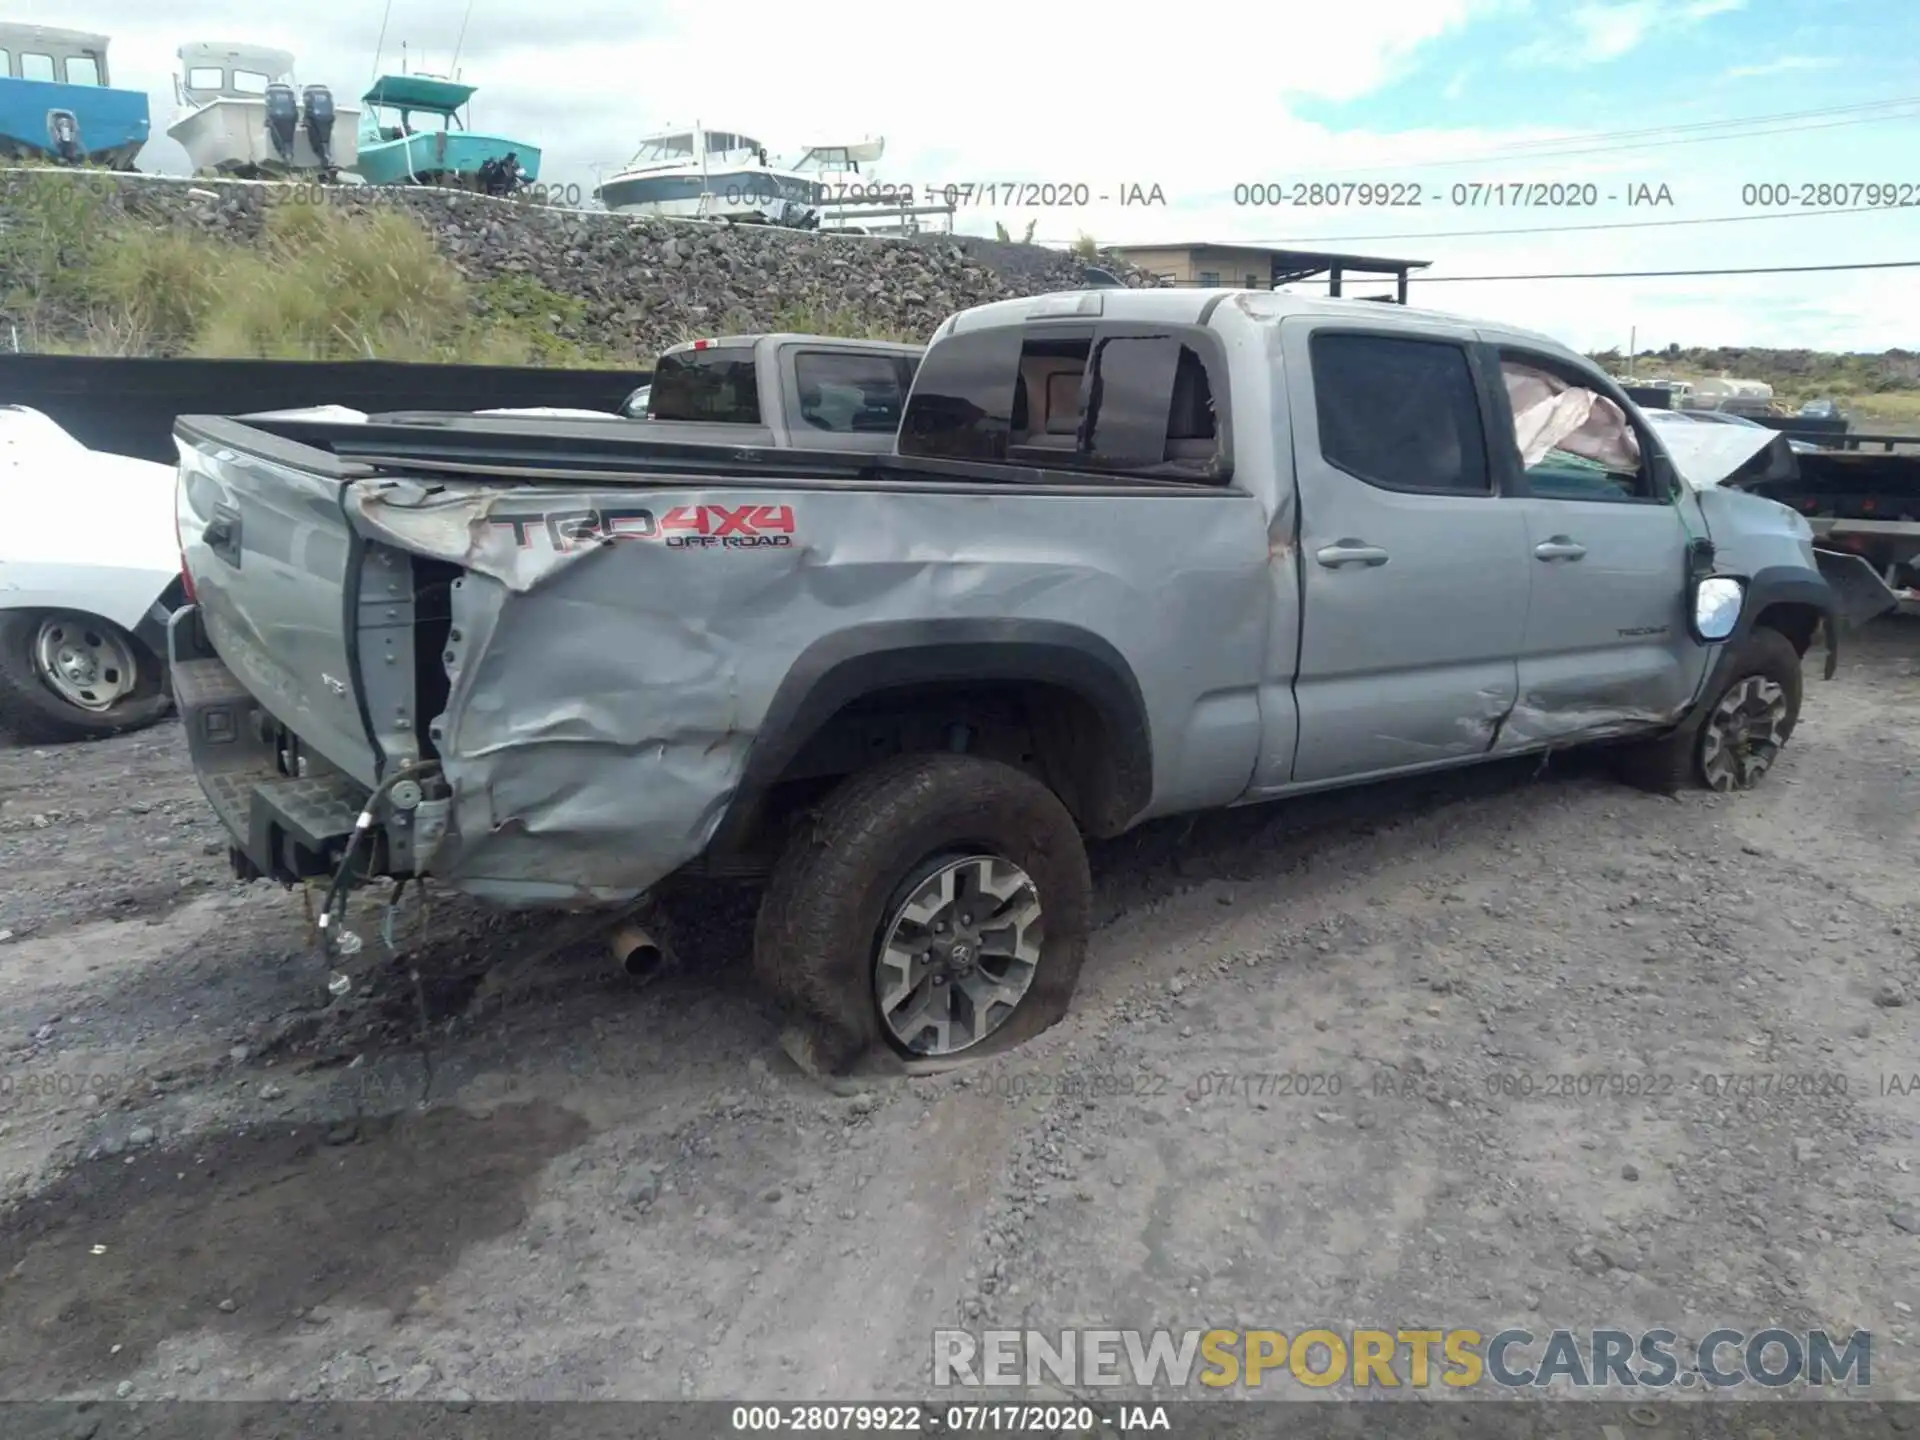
point(606, 692)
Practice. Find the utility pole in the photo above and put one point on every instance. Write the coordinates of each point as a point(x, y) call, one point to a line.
point(1633, 337)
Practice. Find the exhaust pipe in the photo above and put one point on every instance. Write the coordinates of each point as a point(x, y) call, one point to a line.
point(636, 951)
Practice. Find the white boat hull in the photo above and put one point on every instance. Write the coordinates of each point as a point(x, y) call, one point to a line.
point(682, 194)
point(229, 136)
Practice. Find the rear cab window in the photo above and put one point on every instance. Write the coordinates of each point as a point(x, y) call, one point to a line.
point(1567, 437)
point(719, 385)
point(1114, 397)
point(849, 392)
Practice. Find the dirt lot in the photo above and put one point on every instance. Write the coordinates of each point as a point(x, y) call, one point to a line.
point(221, 1182)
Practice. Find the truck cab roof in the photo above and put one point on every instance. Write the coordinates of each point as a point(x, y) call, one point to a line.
point(783, 337)
point(1197, 307)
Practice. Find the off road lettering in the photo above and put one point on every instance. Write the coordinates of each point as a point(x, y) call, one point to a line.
point(571, 529)
point(722, 520)
point(732, 527)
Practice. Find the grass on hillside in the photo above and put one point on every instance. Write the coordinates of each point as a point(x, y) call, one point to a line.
point(1879, 392)
point(1894, 412)
point(323, 284)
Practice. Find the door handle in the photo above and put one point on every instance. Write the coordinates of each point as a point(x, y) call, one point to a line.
point(1350, 552)
point(1560, 547)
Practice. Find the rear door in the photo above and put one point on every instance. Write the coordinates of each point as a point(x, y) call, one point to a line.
point(1415, 570)
point(1607, 645)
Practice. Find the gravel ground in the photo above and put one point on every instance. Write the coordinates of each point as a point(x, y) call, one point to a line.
point(1306, 1081)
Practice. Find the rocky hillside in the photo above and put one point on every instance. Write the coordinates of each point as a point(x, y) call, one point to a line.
point(110, 262)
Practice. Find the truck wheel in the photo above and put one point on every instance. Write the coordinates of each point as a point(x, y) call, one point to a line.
point(1738, 734)
point(68, 676)
point(936, 906)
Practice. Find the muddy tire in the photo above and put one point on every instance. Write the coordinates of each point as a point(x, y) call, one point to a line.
point(1734, 740)
point(934, 909)
point(68, 676)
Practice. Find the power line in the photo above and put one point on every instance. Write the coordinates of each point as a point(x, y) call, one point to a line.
point(1866, 113)
point(1561, 229)
point(1691, 139)
point(1663, 274)
point(1856, 107)
point(1298, 241)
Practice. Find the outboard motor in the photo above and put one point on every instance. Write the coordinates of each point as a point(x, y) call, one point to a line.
point(283, 120)
point(317, 102)
point(63, 138)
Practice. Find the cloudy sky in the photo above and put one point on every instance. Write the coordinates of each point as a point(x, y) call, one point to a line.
point(1703, 97)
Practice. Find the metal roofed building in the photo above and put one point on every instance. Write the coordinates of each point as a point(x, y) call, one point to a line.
point(1262, 267)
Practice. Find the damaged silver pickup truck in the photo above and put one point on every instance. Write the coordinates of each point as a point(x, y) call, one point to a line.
point(1136, 553)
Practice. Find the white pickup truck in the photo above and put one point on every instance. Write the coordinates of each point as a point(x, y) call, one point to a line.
point(1135, 553)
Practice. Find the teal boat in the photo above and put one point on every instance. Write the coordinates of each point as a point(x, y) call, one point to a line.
point(393, 150)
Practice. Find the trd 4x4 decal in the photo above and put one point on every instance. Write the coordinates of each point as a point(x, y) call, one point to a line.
point(685, 527)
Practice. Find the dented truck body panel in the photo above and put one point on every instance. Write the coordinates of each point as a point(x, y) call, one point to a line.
point(609, 651)
point(607, 693)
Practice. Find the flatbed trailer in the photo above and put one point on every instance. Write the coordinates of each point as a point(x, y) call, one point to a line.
point(1862, 502)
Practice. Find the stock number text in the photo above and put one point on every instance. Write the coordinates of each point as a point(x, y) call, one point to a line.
point(1871, 194)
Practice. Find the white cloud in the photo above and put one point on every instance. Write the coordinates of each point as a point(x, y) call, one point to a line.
point(1031, 91)
point(1597, 33)
point(1019, 88)
point(1782, 66)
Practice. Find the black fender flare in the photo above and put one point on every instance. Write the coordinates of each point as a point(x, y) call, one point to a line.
point(1789, 585)
point(864, 660)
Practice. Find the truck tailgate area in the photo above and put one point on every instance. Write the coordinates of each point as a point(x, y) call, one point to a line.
point(271, 556)
point(286, 825)
point(299, 630)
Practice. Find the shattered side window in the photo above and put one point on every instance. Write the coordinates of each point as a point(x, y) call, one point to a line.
point(1574, 443)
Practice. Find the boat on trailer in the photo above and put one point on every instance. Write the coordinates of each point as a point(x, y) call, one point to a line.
point(57, 101)
point(392, 151)
point(243, 114)
point(704, 173)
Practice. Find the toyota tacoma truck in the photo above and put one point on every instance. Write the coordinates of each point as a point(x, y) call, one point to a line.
point(1133, 554)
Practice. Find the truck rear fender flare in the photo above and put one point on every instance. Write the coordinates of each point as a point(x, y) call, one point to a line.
point(866, 661)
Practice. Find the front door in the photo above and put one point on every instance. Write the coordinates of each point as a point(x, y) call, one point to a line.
point(1415, 569)
point(1607, 647)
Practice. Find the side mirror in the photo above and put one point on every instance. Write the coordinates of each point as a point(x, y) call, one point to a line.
point(1713, 607)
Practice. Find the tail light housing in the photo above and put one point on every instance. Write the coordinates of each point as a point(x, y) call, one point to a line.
point(186, 575)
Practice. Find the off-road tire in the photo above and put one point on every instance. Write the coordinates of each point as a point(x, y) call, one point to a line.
point(818, 928)
point(34, 715)
point(1674, 762)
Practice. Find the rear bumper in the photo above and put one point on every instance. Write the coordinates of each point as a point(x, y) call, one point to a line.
point(288, 827)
